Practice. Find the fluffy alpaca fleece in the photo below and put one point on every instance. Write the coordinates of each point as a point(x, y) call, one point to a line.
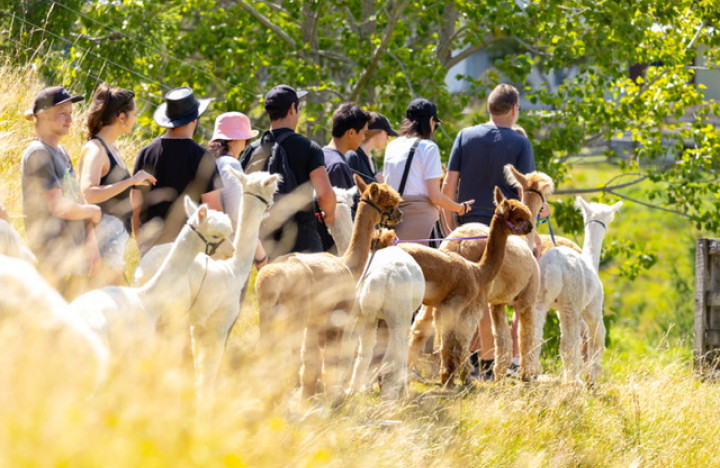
point(341, 228)
point(125, 317)
point(391, 289)
point(44, 345)
point(12, 245)
point(570, 283)
point(216, 285)
point(516, 283)
point(316, 292)
point(455, 288)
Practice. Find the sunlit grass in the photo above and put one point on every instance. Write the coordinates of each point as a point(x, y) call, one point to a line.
point(648, 409)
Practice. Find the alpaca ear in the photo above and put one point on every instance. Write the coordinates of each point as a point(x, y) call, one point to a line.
point(202, 213)
point(190, 206)
point(238, 174)
point(514, 177)
point(360, 183)
point(499, 197)
point(616, 206)
point(275, 178)
point(581, 204)
point(374, 190)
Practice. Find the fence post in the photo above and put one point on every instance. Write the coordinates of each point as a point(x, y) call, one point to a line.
point(706, 348)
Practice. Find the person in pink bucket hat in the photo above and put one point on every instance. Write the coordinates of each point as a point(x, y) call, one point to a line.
point(232, 132)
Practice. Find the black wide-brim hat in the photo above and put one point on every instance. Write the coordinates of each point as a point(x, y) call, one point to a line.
point(180, 108)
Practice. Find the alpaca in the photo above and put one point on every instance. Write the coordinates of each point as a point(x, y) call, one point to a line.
point(125, 317)
point(341, 227)
point(12, 245)
point(391, 289)
point(454, 286)
point(569, 282)
point(516, 283)
point(44, 345)
point(318, 290)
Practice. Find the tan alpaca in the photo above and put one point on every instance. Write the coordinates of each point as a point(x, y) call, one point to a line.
point(454, 286)
point(516, 283)
point(317, 291)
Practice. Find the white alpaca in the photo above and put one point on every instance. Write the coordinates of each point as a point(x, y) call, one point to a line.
point(216, 285)
point(341, 228)
point(42, 341)
point(392, 289)
point(125, 317)
point(570, 283)
point(12, 245)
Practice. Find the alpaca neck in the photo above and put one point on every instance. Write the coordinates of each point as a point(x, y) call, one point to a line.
point(534, 203)
point(342, 228)
point(169, 279)
point(592, 245)
point(357, 252)
point(494, 252)
point(246, 233)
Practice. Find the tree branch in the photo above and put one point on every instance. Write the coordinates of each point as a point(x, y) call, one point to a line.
point(392, 22)
point(604, 188)
point(455, 59)
point(268, 24)
point(649, 205)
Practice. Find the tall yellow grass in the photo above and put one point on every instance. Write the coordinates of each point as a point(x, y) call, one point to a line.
point(648, 410)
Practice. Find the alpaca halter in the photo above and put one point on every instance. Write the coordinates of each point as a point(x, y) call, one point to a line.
point(267, 203)
point(597, 221)
point(384, 215)
point(210, 247)
point(513, 228)
point(536, 192)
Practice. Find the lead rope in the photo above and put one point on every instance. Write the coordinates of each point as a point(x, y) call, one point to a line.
point(202, 282)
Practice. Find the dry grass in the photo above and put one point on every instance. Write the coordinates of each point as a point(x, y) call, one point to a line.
point(648, 410)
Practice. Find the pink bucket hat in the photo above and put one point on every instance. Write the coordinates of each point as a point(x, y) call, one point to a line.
point(233, 126)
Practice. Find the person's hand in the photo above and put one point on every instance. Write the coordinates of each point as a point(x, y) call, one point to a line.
point(143, 178)
point(545, 211)
point(95, 213)
point(466, 207)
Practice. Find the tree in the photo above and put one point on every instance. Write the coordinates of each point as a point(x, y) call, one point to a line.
point(382, 54)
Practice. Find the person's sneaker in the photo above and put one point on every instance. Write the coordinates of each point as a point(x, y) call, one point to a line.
point(513, 371)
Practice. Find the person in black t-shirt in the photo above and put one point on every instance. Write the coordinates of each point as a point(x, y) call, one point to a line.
point(296, 232)
point(349, 124)
point(180, 165)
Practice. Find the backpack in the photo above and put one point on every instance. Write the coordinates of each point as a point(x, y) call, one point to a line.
point(268, 154)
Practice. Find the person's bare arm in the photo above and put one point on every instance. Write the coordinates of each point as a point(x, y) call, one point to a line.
point(325, 195)
point(4, 213)
point(136, 201)
point(449, 189)
point(93, 163)
point(439, 199)
point(62, 208)
point(213, 200)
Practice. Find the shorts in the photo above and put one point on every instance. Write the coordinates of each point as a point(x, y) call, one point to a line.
point(112, 239)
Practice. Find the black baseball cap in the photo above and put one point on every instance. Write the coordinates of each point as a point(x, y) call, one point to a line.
point(380, 122)
point(281, 97)
point(420, 108)
point(51, 97)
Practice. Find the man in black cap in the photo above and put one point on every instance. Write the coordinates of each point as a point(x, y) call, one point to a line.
point(58, 223)
point(181, 167)
point(362, 161)
point(291, 224)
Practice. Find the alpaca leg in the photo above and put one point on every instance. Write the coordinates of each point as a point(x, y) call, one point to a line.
point(394, 382)
point(596, 342)
point(421, 329)
point(366, 343)
point(311, 363)
point(529, 346)
point(501, 333)
point(570, 344)
point(467, 324)
point(445, 328)
point(208, 348)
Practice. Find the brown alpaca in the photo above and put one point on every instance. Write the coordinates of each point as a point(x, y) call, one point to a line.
point(317, 291)
point(516, 283)
point(454, 286)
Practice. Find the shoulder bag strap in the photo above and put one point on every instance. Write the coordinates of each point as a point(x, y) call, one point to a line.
point(401, 189)
point(110, 155)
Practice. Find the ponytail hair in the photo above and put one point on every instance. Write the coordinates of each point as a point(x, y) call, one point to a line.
point(219, 147)
point(107, 104)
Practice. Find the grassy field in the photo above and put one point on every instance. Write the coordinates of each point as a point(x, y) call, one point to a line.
point(648, 410)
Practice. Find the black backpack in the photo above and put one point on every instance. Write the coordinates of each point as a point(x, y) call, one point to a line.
point(268, 154)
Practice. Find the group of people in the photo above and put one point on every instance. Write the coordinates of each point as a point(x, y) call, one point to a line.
point(80, 225)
